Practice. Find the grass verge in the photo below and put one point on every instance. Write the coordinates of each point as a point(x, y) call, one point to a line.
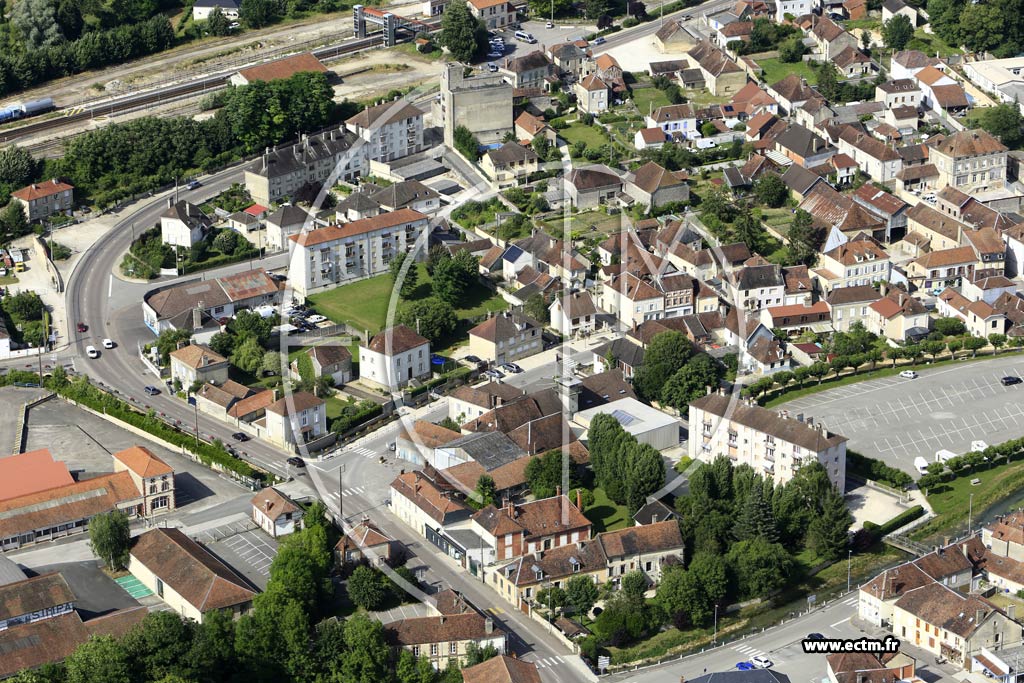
point(605, 514)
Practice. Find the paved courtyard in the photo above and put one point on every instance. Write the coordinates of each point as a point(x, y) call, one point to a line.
point(248, 552)
point(898, 419)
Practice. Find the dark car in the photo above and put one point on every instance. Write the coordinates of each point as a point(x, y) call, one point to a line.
point(472, 359)
point(744, 666)
point(82, 327)
point(296, 461)
point(240, 436)
point(815, 636)
point(151, 390)
point(1010, 380)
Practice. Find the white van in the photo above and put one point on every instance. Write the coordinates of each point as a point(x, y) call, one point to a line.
point(944, 455)
point(978, 446)
point(921, 465)
point(525, 37)
point(92, 352)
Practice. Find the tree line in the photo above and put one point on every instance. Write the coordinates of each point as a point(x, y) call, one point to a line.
point(125, 159)
point(996, 27)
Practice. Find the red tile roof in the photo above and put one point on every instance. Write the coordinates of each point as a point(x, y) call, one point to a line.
point(40, 190)
point(283, 68)
point(31, 472)
point(143, 462)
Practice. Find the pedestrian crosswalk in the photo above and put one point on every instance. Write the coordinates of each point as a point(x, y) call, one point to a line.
point(850, 601)
point(364, 451)
point(547, 662)
point(748, 651)
point(351, 491)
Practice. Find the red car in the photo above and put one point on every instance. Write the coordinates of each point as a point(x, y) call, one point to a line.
point(82, 327)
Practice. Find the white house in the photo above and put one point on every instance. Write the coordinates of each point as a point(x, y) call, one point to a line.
point(276, 513)
point(201, 9)
point(183, 223)
point(394, 357)
point(573, 314)
point(391, 130)
point(296, 419)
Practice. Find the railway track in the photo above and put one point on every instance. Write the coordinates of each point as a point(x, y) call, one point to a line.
point(72, 115)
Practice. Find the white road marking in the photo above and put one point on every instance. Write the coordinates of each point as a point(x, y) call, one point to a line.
point(839, 622)
point(110, 288)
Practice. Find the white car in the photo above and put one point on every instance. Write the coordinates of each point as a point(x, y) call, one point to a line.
point(91, 351)
point(316, 319)
point(908, 374)
point(108, 343)
point(761, 662)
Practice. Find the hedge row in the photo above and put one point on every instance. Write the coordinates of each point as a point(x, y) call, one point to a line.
point(876, 470)
point(344, 423)
point(457, 373)
point(897, 522)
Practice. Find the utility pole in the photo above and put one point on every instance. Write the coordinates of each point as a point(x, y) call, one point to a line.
point(714, 638)
point(341, 496)
point(195, 407)
point(970, 511)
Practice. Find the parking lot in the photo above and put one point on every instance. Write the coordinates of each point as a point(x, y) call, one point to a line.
point(249, 553)
point(897, 419)
point(85, 442)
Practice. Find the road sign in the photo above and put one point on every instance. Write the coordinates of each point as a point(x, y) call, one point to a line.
point(603, 662)
point(811, 599)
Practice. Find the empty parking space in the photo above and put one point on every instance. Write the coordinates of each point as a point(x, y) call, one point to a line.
point(898, 419)
point(250, 553)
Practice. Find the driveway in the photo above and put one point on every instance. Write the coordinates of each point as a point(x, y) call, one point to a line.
point(897, 420)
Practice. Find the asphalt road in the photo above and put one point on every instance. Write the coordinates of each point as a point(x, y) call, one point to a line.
point(898, 419)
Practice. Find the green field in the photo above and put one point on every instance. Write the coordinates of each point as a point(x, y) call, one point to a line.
point(364, 305)
point(605, 514)
point(589, 135)
point(646, 98)
point(930, 44)
point(775, 70)
point(952, 500)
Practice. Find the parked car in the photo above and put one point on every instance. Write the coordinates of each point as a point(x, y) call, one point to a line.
point(108, 343)
point(82, 327)
point(815, 636)
point(744, 666)
point(472, 359)
point(151, 390)
point(599, 41)
point(193, 185)
point(492, 67)
point(494, 373)
point(550, 24)
point(240, 436)
point(761, 662)
point(908, 374)
point(296, 461)
point(1010, 380)
point(317, 318)
point(91, 351)
point(511, 368)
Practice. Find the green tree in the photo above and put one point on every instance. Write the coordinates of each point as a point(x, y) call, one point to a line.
point(997, 340)
point(897, 32)
point(544, 474)
point(634, 584)
point(551, 598)
point(828, 82)
point(271, 362)
point(486, 491)
point(711, 575)
point(690, 382)
point(462, 34)
point(218, 24)
point(708, 129)
point(770, 190)
point(756, 519)
point(983, 27)
point(476, 654)
point(225, 241)
point(948, 327)
point(645, 474)
point(17, 166)
point(315, 515)
point(248, 355)
point(666, 353)
point(455, 277)
point(828, 532)
point(110, 539)
point(412, 276)
point(804, 239)
point(1003, 121)
point(581, 594)
point(974, 344)
point(413, 669)
point(251, 324)
point(944, 16)
point(435, 319)
point(537, 308)
point(101, 659)
point(160, 646)
point(680, 592)
point(260, 13)
point(760, 567)
point(367, 656)
point(792, 50)
point(13, 222)
point(365, 588)
point(748, 229)
point(36, 20)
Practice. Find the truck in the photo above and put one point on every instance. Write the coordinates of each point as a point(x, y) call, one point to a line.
point(921, 465)
point(944, 455)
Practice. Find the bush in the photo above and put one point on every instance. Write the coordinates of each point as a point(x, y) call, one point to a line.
point(870, 468)
point(901, 520)
point(363, 412)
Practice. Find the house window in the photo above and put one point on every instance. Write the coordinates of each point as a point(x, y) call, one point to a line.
point(433, 649)
point(415, 650)
point(453, 648)
point(160, 587)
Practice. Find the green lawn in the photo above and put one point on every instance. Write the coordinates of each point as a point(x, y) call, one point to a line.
point(951, 500)
point(645, 98)
point(364, 305)
point(579, 224)
point(869, 24)
point(703, 97)
point(775, 70)
point(930, 44)
point(589, 135)
point(605, 514)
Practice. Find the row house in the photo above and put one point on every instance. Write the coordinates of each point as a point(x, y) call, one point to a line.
point(874, 157)
point(631, 299)
point(860, 261)
point(972, 161)
point(389, 131)
point(898, 316)
point(849, 305)
point(316, 159)
point(536, 526)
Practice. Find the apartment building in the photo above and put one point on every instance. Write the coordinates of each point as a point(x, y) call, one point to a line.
point(771, 442)
point(506, 337)
point(314, 160)
point(494, 13)
point(390, 131)
point(327, 257)
point(971, 161)
point(860, 261)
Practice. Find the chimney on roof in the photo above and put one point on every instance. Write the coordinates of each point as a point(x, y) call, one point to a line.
point(266, 506)
point(1011, 610)
point(979, 616)
point(488, 626)
point(579, 499)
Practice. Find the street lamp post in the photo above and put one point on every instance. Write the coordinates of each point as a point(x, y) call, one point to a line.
point(849, 561)
point(341, 498)
point(970, 511)
point(714, 638)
